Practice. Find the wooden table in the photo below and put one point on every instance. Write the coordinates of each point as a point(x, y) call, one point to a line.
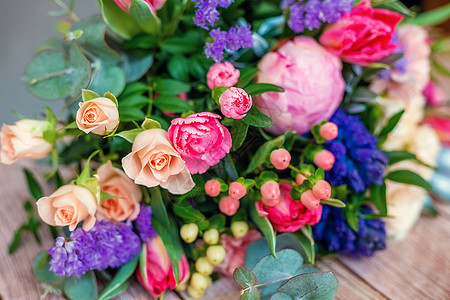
point(416, 268)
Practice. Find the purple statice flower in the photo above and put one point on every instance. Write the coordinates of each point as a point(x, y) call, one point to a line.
point(106, 245)
point(310, 14)
point(144, 224)
point(206, 13)
point(236, 38)
point(336, 235)
point(358, 161)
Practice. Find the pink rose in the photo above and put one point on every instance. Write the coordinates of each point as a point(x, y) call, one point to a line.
point(406, 84)
point(68, 206)
point(126, 205)
point(201, 140)
point(234, 103)
point(290, 215)
point(99, 116)
point(159, 270)
point(362, 36)
point(235, 249)
point(434, 94)
point(313, 85)
point(24, 140)
point(222, 74)
point(153, 161)
point(441, 125)
point(153, 4)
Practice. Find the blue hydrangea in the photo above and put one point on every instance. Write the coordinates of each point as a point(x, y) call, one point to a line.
point(335, 234)
point(144, 224)
point(359, 163)
point(311, 14)
point(236, 38)
point(106, 245)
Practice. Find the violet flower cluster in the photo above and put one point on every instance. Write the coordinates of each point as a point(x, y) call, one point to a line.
point(236, 38)
point(206, 13)
point(144, 224)
point(310, 14)
point(400, 65)
point(106, 245)
point(358, 161)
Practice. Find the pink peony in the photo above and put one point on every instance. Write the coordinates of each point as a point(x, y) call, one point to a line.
point(410, 83)
point(362, 36)
point(201, 140)
point(290, 215)
point(235, 248)
point(434, 94)
point(222, 74)
point(234, 103)
point(153, 4)
point(313, 85)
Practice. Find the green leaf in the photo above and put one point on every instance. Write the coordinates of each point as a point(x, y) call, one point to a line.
point(408, 177)
point(217, 221)
point(88, 95)
point(41, 269)
point(398, 7)
point(133, 89)
point(130, 135)
point(244, 277)
point(130, 113)
point(83, 288)
point(158, 206)
point(177, 67)
point(238, 132)
point(150, 124)
point(260, 88)
point(171, 104)
point(86, 173)
point(135, 66)
point(185, 211)
point(180, 45)
point(262, 153)
point(266, 228)
point(15, 243)
point(333, 202)
point(307, 241)
point(378, 197)
point(217, 91)
point(392, 122)
point(351, 216)
point(430, 18)
point(440, 69)
point(33, 186)
point(251, 294)
point(246, 76)
point(51, 75)
point(133, 101)
point(171, 87)
point(255, 117)
point(118, 283)
point(107, 77)
point(143, 262)
point(111, 97)
point(146, 18)
point(119, 21)
point(397, 156)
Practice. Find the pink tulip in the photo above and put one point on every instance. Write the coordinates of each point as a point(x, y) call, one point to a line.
point(153, 4)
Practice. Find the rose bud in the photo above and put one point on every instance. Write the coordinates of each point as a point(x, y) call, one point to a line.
point(234, 103)
point(237, 190)
point(322, 189)
point(228, 205)
point(223, 75)
point(270, 192)
point(309, 200)
point(329, 131)
point(99, 116)
point(324, 159)
point(212, 188)
point(280, 158)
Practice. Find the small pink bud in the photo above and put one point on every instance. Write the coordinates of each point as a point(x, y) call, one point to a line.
point(280, 158)
point(299, 179)
point(270, 192)
point(228, 205)
point(212, 188)
point(235, 102)
point(322, 189)
point(324, 159)
point(329, 131)
point(237, 190)
point(309, 200)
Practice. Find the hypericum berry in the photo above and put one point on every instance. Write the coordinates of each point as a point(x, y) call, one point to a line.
point(329, 131)
point(199, 281)
point(324, 159)
point(194, 293)
point(228, 205)
point(237, 190)
point(211, 236)
point(189, 232)
point(212, 188)
point(270, 192)
point(239, 228)
point(309, 200)
point(280, 158)
point(322, 189)
point(203, 266)
point(215, 254)
point(181, 287)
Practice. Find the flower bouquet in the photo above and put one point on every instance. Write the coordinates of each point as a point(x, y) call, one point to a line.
point(227, 138)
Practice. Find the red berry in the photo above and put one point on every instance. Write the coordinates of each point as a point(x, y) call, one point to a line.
point(324, 159)
point(309, 200)
point(280, 158)
point(329, 131)
point(237, 190)
point(212, 188)
point(228, 205)
point(322, 189)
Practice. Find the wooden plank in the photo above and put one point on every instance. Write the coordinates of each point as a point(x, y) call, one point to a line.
point(415, 268)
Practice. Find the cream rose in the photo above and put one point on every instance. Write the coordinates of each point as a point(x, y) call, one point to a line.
point(68, 206)
point(98, 116)
point(24, 140)
point(153, 161)
point(126, 205)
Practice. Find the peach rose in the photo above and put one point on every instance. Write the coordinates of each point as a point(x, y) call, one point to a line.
point(68, 206)
point(24, 140)
point(126, 205)
point(153, 161)
point(98, 116)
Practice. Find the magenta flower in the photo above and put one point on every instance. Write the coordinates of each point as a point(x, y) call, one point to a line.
point(234, 103)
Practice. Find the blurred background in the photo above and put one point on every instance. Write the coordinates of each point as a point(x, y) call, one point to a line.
point(25, 25)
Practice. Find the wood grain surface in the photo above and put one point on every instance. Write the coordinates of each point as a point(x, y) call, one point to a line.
point(415, 268)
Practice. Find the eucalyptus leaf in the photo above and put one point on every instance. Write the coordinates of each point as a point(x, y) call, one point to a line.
point(82, 288)
point(107, 77)
point(118, 283)
point(136, 66)
point(244, 277)
point(251, 294)
point(41, 269)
